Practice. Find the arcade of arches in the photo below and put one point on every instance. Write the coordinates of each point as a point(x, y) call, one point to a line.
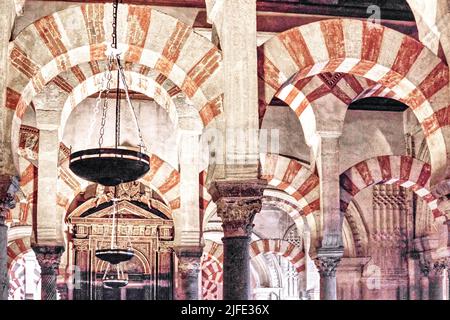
point(298, 149)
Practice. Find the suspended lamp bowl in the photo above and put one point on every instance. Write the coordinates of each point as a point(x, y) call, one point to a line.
point(114, 256)
point(115, 283)
point(109, 166)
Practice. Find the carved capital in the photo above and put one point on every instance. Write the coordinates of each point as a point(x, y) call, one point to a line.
point(438, 267)
point(327, 265)
point(48, 258)
point(8, 188)
point(237, 204)
point(237, 215)
point(327, 261)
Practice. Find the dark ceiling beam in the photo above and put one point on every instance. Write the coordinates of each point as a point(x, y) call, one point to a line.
point(279, 6)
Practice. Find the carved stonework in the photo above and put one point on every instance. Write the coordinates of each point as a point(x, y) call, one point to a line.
point(48, 258)
point(327, 265)
point(237, 205)
point(7, 196)
point(438, 267)
point(237, 215)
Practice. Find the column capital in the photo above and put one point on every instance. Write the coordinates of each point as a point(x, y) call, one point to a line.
point(237, 204)
point(438, 267)
point(48, 257)
point(327, 261)
point(9, 185)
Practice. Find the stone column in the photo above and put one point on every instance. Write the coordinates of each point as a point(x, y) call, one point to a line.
point(188, 276)
point(436, 280)
point(48, 257)
point(237, 205)
point(327, 262)
point(8, 188)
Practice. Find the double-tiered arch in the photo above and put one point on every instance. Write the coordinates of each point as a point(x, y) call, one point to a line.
point(399, 63)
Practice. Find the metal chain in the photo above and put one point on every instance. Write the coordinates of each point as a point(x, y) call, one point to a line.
point(127, 94)
point(114, 24)
point(108, 76)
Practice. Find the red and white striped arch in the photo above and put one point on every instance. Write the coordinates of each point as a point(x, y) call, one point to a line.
point(16, 248)
point(292, 177)
point(282, 248)
point(212, 269)
point(212, 261)
point(80, 34)
point(406, 171)
point(401, 64)
point(165, 179)
point(135, 81)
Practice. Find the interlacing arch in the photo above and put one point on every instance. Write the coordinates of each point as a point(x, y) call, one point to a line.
point(396, 61)
point(405, 171)
point(80, 34)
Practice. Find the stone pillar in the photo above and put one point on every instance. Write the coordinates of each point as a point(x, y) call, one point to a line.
point(237, 205)
point(188, 276)
point(48, 258)
point(187, 218)
point(7, 17)
point(436, 280)
point(327, 262)
point(329, 255)
point(240, 123)
point(48, 106)
point(328, 168)
point(8, 188)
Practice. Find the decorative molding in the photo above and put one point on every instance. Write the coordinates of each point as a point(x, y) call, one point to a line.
point(237, 204)
point(9, 187)
point(327, 265)
point(48, 258)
